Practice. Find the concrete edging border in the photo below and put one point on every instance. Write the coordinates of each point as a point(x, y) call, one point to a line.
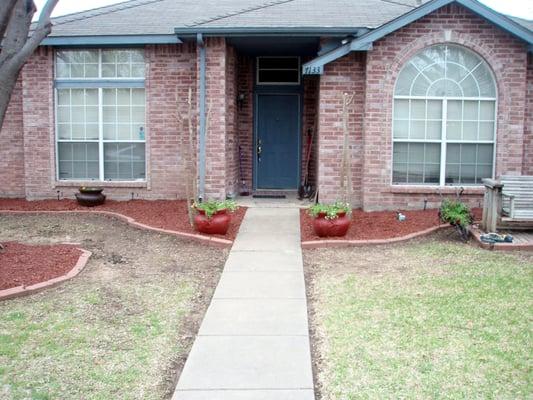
point(20, 291)
point(212, 241)
point(476, 234)
point(316, 244)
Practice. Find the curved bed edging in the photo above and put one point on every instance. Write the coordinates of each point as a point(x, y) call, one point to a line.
point(20, 291)
point(316, 244)
point(212, 241)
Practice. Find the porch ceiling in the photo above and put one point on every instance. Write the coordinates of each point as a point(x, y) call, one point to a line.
point(271, 45)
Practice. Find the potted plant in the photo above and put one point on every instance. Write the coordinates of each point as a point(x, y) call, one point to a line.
point(458, 215)
point(90, 196)
point(214, 216)
point(331, 219)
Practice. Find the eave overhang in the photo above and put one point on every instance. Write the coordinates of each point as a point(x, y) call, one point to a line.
point(110, 40)
point(191, 32)
point(364, 42)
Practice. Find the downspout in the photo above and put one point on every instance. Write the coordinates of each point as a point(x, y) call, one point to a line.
point(201, 140)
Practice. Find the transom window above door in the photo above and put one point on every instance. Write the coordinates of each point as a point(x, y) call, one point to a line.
point(444, 119)
point(278, 70)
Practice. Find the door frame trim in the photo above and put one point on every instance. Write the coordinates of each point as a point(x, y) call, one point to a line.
point(299, 138)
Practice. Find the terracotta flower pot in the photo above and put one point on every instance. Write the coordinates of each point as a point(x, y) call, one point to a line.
point(218, 224)
point(331, 227)
point(90, 197)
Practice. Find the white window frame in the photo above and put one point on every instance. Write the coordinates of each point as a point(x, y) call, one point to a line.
point(100, 84)
point(443, 141)
point(257, 69)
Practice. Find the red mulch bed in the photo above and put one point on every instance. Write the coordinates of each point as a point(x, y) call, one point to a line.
point(379, 224)
point(164, 214)
point(22, 264)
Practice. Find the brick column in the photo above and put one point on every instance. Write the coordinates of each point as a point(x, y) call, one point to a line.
point(215, 162)
point(38, 124)
point(345, 75)
point(12, 148)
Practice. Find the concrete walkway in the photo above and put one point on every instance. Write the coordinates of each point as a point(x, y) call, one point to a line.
point(253, 343)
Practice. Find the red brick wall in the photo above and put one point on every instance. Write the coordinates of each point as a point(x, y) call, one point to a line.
point(245, 117)
point(12, 148)
point(232, 149)
point(309, 125)
point(346, 75)
point(215, 163)
point(506, 56)
point(528, 129)
point(38, 120)
point(171, 71)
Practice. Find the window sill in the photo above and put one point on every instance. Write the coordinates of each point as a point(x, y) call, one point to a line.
point(109, 184)
point(400, 189)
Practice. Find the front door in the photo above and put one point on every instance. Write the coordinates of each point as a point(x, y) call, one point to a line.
point(277, 143)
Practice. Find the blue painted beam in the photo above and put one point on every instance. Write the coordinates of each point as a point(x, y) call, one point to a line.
point(110, 40)
point(316, 66)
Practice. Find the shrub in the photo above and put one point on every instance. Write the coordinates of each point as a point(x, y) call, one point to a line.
point(331, 210)
point(211, 207)
point(455, 213)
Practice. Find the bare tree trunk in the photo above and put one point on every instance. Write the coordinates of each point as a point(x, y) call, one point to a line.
point(192, 190)
point(346, 167)
point(7, 84)
point(18, 44)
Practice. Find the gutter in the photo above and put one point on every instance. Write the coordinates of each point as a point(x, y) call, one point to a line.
point(202, 134)
point(191, 32)
point(110, 40)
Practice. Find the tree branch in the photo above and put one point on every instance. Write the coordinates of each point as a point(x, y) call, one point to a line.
point(44, 27)
point(6, 10)
point(17, 30)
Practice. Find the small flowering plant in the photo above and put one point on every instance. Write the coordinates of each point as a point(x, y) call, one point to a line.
point(211, 207)
point(331, 211)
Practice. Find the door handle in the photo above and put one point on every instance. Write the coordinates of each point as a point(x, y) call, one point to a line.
point(259, 148)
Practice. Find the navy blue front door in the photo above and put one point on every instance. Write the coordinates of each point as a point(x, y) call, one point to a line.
point(277, 144)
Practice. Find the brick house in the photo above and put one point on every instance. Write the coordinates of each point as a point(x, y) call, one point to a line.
point(443, 97)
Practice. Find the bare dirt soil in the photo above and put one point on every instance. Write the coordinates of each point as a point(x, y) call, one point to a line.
point(164, 214)
point(122, 328)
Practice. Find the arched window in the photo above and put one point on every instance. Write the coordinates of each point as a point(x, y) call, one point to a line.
point(444, 118)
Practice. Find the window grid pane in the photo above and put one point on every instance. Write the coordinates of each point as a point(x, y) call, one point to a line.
point(123, 114)
point(78, 160)
point(433, 81)
point(86, 117)
point(124, 161)
point(77, 64)
point(445, 71)
point(468, 163)
point(278, 70)
point(77, 114)
point(89, 64)
point(416, 163)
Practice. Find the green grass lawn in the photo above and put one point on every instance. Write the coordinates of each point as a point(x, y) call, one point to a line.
point(422, 321)
point(119, 330)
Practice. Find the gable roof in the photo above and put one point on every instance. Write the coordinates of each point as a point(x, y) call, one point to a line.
point(164, 21)
point(163, 17)
point(515, 26)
